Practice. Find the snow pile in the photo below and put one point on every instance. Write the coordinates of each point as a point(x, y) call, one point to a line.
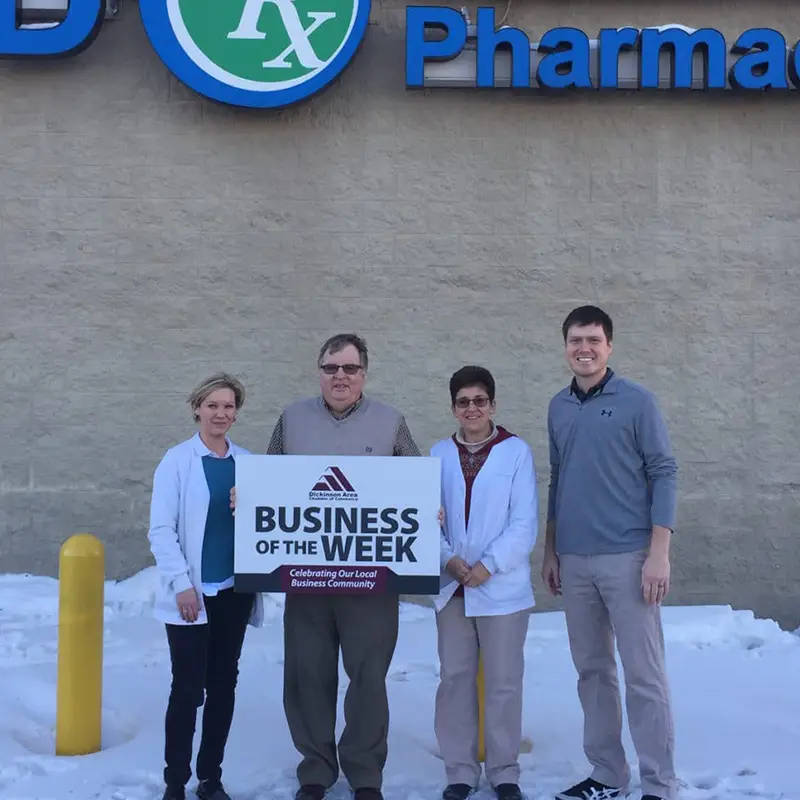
point(734, 683)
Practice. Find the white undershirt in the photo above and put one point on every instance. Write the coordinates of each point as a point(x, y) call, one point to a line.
point(473, 447)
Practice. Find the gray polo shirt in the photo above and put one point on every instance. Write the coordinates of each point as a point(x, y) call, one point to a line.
point(612, 472)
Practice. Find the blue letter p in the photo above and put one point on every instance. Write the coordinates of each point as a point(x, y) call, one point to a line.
point(419, 50)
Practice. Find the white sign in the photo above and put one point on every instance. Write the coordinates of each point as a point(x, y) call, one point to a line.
point(337, 524)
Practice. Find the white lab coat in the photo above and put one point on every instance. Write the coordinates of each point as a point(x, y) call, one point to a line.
point(178, 510)
point(502, 531)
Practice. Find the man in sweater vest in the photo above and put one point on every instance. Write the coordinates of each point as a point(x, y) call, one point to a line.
point(340, 421)
point(611, 514)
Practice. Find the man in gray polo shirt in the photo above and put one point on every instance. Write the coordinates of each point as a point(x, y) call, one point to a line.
point(611, 514)
point(341, 420)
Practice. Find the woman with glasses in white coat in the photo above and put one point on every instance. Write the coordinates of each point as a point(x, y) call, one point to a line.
point(191, 537)
point(485, 599)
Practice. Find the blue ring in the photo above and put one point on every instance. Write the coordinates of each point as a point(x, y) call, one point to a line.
point(162, 37)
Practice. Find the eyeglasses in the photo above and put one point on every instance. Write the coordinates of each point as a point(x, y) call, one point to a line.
point(348, 369)
point(480, 402)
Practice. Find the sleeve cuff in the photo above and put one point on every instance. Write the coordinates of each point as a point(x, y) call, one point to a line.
point(445, 557)
point(490, 563)
point(669, 524)
point(181, 583)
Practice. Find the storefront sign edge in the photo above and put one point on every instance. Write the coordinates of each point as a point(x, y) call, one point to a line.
point(441, 49)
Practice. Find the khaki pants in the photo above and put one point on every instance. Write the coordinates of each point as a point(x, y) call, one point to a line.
point(501, 640)
point(316, 629)
point(603, 599)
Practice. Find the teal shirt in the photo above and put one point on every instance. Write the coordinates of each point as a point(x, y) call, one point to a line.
point(217, 564)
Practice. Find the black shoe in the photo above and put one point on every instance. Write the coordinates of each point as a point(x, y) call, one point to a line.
point(310, 791)
point(508, 791)
point(651, 797)
point(457, 791)
point(211, 790)
point(589, 790)
point(367, 793)
point(174, 793)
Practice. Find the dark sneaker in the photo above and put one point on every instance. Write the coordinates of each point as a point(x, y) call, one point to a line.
point(367, 793)
point(310, 791)
point(211, 790)
point(457, 791)
point(589, 790)
point(651, 797)
point(508, 791)
point(174, 793)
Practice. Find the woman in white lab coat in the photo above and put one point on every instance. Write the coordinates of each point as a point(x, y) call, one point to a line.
point(483, 607)
point(191, 537)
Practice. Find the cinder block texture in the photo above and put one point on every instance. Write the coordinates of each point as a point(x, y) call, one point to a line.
point(149, 237)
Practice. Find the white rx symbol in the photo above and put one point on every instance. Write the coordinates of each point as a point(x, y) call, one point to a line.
point(298, 35)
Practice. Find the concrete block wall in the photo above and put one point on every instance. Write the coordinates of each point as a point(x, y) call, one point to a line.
point(148, 237)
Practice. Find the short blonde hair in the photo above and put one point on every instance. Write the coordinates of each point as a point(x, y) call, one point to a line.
point(219, 380)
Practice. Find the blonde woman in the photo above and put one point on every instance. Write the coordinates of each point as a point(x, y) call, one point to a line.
point(191, 537)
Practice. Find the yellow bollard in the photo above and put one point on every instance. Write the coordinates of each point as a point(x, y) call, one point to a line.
point(80, 646)
point(481, 710)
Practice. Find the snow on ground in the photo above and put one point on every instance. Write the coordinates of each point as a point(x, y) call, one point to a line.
point(734, 679)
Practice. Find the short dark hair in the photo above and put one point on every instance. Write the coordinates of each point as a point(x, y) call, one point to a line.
point(341, 340)
point(471, 376)
point(588, 315)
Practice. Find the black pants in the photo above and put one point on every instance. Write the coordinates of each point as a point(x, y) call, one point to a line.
point(205, 665)
point(315, 627)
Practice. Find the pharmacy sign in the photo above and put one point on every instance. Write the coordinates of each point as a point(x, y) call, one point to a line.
point(275, 53)
point(256, 53)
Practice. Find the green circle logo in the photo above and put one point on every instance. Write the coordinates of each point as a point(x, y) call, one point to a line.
point(256, 52)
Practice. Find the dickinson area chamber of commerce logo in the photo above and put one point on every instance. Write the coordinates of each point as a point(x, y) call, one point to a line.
point(256, 53)
point(333, 485)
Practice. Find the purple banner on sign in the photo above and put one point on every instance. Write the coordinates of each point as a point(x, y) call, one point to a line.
point(332, 580)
